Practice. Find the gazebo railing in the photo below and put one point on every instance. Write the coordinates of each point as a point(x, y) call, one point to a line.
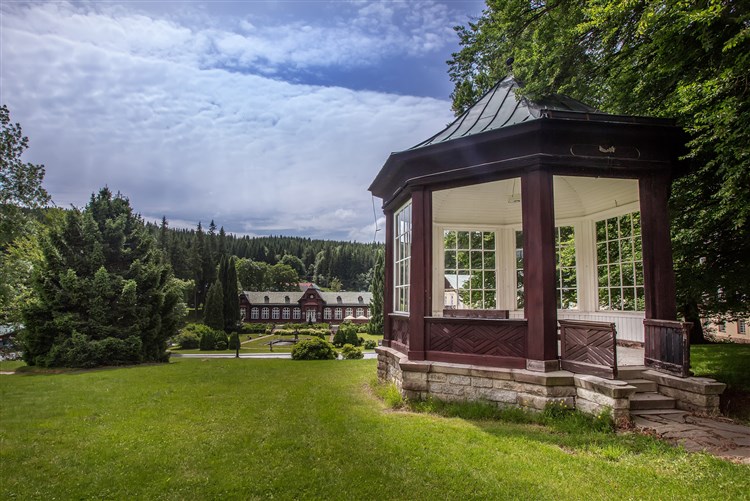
point(588, 347)
point(667, 346)
point(399, 332)
point(480, 341)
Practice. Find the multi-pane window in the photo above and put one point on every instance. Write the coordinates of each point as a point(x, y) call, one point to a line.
point(741, 329)
point(285, 314)
point(264, 313)
point(566, 280)
point(360, 312)
point(402, 259)
point(722, 327)
point(470, 268)
point(326, 314)
point(296, 314)
point(565, 260)
point(243, 312)
point(254, 313)
point(349, 312)
point(620, 263)
point(275, 313)
point(337, 314)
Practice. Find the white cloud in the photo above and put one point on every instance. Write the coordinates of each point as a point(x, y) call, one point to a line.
point(125, 100)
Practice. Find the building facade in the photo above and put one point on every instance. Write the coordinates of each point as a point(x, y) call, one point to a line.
point(310, 306)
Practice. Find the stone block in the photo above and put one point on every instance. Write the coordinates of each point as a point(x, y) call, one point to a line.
point(445, 388)
point(602, 400)
point(456, 369)
point(557, 378)
point(438, 378)
point(492, 373)
point(495, 395)
point(610, 388)
point(481, 382)
point(459, 380)
point(697, 400)
point(702, 385)
point(414, 385)
point(415, 366)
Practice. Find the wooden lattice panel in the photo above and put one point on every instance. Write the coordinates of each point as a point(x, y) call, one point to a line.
point(588, 347)
point(494, 338)
point(400, 329)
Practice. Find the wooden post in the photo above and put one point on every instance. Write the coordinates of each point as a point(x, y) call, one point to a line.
point(658, 272)
point(419, 282)
point(388, 292)
point(539, 276)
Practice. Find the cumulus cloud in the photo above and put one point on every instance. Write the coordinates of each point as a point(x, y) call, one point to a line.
point(155, 109)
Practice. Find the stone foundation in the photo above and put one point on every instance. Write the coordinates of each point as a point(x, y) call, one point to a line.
point(695, 394)
point(503, 387)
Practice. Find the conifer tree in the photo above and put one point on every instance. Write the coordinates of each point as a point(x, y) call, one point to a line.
point(378, 289)
point(231, 296)
point(214, 311)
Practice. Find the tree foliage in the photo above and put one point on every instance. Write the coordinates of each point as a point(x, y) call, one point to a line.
point(102, 281)
point(378, 290)
point(686, 60)
point(213, 316)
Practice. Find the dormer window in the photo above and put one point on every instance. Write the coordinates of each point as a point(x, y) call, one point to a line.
point(265, 299)
point(360, 299)
point(338, 299)
point(286, 299)
point(311, 296)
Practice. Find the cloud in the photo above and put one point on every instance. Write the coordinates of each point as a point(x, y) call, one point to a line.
point(140, 104)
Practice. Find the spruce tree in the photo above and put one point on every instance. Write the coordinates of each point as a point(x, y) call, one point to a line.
point(104, 294)
point(231, 296)
point(378, 289)
point(214, 311)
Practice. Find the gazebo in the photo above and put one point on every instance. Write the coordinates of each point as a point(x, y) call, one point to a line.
point(520, 217)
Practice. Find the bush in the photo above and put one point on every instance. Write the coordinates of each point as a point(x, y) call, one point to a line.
point(188, 340)
point(254, 328)
point(221, 345)
point(313, 349)
point(339, 339)
point(350, 352)
point(234, 341)
point(370, 344)
point(350, 333)
point(80, 351)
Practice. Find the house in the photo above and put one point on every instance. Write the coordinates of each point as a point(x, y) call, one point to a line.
point(733, 330)
point(312, 305)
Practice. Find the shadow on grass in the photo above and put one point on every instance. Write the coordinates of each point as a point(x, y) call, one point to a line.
point(730, 364)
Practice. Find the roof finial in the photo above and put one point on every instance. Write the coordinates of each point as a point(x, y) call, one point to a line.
point(509, 64)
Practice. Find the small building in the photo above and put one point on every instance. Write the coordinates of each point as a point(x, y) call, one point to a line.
point(311, 306)
point(727, 330)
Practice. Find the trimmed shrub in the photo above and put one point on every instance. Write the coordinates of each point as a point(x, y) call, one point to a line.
point(313, 349)
point(370, 344)
point(188, 340)
point(221, 345)
point(350, 352)
point(350, 333)
point(80, 351)
point(339, 339)
point(234, 341)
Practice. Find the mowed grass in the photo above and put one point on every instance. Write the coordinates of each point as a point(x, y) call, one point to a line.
point(730, 364)
point(250, 429)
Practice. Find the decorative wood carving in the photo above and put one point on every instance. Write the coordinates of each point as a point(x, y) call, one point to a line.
point(499, 338)
point(400, 331)
point(588, 348)
point(667, 346)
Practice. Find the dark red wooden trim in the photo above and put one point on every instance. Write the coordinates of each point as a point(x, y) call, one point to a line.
point(537, 199)
point(459, 313)
point(667, 346)
point(588, 347)
point(486, 360)
point(418, 278)
point(658, 272)
point(388, 293)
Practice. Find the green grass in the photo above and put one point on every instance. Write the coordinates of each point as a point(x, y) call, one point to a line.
point(11, 365)
point(251, 429)
point(730, 364)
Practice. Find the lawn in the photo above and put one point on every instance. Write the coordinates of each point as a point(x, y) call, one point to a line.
point(730, 364)
point(203, 429)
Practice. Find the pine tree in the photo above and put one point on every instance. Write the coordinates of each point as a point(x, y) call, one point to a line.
point(214, 312)
point(231, 295)
point(378, 289)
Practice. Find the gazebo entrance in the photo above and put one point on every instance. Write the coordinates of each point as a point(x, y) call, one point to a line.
point(519, 215)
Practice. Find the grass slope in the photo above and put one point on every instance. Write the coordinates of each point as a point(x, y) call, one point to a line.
point(196, 429)
point(730, 364)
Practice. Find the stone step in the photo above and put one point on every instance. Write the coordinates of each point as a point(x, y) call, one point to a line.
point(630, 372)
point(648, 412)
point(641, 401)
point(643, 385)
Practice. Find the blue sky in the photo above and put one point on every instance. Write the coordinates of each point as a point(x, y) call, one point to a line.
point(267, 117)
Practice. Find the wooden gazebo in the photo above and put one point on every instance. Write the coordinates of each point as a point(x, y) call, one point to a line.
point(521, 217)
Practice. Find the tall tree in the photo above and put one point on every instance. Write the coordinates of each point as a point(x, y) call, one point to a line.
point(687, 60)
point(214, 312)
point(378, 290)
point(231, 296)
point(103, 291)
point(20, 182)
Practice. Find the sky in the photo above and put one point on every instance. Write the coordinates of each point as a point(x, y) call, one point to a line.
point(270, 118)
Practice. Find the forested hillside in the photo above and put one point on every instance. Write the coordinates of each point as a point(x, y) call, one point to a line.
point(264, 263)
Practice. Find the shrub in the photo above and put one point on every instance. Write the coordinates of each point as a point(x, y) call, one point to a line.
point(313, 349)
point(80, 351)
point(254, 328)
point(350, 352)
point(339, 339)
point(188, 340)
point(221, 345)
point(234, 341)
point(370, 344)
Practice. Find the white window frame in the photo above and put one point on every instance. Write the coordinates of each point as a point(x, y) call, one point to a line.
point(296, 314)
point(285, 313)
point(402, 236)
point(264, 313)
point(485, 301)
point(275, 313)
point(360, 312)
point(634, 265)
point(254, 313)
point(326, 313)
point(337, 314)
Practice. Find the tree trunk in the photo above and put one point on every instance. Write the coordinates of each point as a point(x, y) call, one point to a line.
point(692, 314)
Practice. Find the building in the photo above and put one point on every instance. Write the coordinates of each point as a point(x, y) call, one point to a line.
point(733, 330)
point(311, 305)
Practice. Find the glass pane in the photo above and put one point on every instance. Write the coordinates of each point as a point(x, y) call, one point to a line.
point(463, 279)
point(616, 295)
point(603, 276)
point(519, 258)
point(476, 299)
point(569, 299)
point(490, 299)
point(463, 239)
point(463, 259)
point(627, 274)
point(519, 278)
point(604, 298)
point(614, 275)
point(489, 240)
point(614, 251)
point(628, 298)
point(451, 280)
point(625, 225)
point(519, 299)
point(566, 234)
point(640, 299)
point(569, 278)
point(626, 250)
point(638, 251)
point(450, 260)
point(476, 260)
point(612, 229)
point(638, 273)
point(519, 240)
point(449, 238)
point(489, 260)
point(601, 232)
point(476, 239)
point(489, 279)
point(601, 253)
point(636, 217)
